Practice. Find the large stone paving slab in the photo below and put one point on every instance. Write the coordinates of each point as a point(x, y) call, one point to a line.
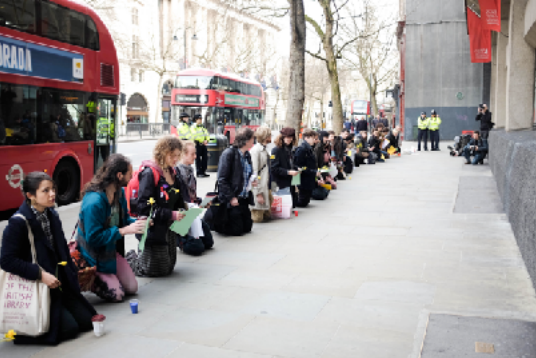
point(353, 276)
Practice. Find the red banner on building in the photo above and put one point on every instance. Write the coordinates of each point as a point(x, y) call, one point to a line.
point(479, 39)
point(490, 12)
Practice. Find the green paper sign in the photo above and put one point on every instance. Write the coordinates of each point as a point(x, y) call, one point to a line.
point(181, 227)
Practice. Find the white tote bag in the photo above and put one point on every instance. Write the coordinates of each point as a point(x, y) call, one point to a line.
point(25, 304)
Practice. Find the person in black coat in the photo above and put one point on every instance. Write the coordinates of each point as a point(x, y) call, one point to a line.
point(70, 312)
point(361, 125)
point(305, 160)
point(484, 116)
point(282, 161)
point(235, 172)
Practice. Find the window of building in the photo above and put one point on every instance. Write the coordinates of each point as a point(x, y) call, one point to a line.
point(134, 16)
point(135, 49)
point(133, 75)
point(141, 76)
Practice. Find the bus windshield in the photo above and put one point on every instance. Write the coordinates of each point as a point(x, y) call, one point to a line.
point(360, 107)
point(194, 82)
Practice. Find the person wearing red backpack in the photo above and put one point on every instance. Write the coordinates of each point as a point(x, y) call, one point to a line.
point(158, 181)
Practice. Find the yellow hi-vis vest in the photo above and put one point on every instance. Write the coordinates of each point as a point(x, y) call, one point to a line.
point(434, 123)
point(423, 123)
point(199, 133)
point(184, 131)
point(105, 130)
point(91, 106)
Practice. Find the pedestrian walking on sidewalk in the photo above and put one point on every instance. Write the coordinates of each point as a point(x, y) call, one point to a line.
point(423, 124)
point(260, 159)
point(435, 122)
point(201, 138)
point(70, 312)
point(235, 180)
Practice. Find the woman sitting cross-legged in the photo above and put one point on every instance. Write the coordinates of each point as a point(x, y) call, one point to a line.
point(70, 312)
point(103, 223)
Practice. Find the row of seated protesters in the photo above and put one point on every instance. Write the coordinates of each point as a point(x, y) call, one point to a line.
point(98, 245)
point(167, 187)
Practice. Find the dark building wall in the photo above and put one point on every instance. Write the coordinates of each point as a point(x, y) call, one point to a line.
point(512, 158)
point(438, 67)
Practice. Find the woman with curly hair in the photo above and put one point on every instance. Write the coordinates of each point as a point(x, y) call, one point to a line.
point(160, 181)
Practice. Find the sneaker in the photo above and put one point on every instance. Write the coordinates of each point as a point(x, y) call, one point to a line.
point(467, 162)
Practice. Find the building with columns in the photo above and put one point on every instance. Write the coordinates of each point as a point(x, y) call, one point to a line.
point(156, 39)
point(512, 154)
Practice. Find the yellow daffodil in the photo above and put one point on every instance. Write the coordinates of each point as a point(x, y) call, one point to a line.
point(63, 263)
point(304, 168)
point(176, 190)
point(151, 201)
point(9, 336)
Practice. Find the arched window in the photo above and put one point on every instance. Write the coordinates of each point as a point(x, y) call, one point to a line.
point(137, 102)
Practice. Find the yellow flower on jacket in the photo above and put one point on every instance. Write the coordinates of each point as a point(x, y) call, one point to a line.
point(63, 263)
point(151, 201)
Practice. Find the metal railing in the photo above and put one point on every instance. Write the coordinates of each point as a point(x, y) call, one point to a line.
point(142, 130)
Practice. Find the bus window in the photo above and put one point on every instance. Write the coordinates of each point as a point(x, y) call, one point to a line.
point(92, 35)
point(18, 15)
point(54, 22)
point(63, 116)
point(78, 28)
point(215, 83)
point(225, 85)
point(17, 115)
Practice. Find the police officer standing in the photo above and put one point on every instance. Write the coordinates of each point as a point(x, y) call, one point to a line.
point(201, 138)
point(423, 123)
point(184, 130)
point(435, 122)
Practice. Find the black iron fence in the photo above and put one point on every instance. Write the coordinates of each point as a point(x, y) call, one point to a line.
point(142, 130)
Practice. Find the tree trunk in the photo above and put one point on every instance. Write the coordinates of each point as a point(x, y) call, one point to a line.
point(158, 113)
point(331, 63)
point(297, 65)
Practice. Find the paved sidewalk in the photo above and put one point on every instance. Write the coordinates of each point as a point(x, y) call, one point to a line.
point(354, 276)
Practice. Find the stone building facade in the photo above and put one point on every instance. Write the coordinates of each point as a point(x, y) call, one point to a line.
point(156, 39)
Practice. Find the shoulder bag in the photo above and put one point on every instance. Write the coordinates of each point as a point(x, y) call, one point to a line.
point(25, 304)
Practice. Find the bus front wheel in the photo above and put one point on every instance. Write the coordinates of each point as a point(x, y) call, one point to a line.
point(67, 179)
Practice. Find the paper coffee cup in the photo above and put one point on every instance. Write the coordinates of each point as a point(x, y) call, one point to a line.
point(98, 328)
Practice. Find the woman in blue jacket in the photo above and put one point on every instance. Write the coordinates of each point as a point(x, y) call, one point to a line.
point(70, 312)
point(103, 222)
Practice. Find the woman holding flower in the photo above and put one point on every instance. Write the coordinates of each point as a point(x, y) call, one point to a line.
point(160, 197)
point(70, 312)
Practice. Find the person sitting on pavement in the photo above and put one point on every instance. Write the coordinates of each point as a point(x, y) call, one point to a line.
point(477, 147)
point(323, 154)
point(394, 139)
point(159, 193)
point(260, 159)
point(70, 312)
point(347, 161)
point(235, 179)
point(282, 161)
point(189, 188)
point(103, 223)
point(363, 151)
point(375, 144)
point(305, 160)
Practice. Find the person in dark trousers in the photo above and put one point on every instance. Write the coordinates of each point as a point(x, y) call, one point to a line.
point(394, 138)
point(433, 127)
point(282, 161)
point(70, 312)
point(375, 145)
point(362, 150)
point(484, 116)
point(361, 125)
point(235, 172)
point(201, 138)
point(188, 189)
point(477, 147)
point(384, 121)
point(423, 124)
point(305, 160)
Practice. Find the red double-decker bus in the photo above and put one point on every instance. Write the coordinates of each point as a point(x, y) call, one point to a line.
point(226, 102)
point(360, 108)
point(59, 84)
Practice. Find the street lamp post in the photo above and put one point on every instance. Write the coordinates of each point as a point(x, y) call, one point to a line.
point(175, 38)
